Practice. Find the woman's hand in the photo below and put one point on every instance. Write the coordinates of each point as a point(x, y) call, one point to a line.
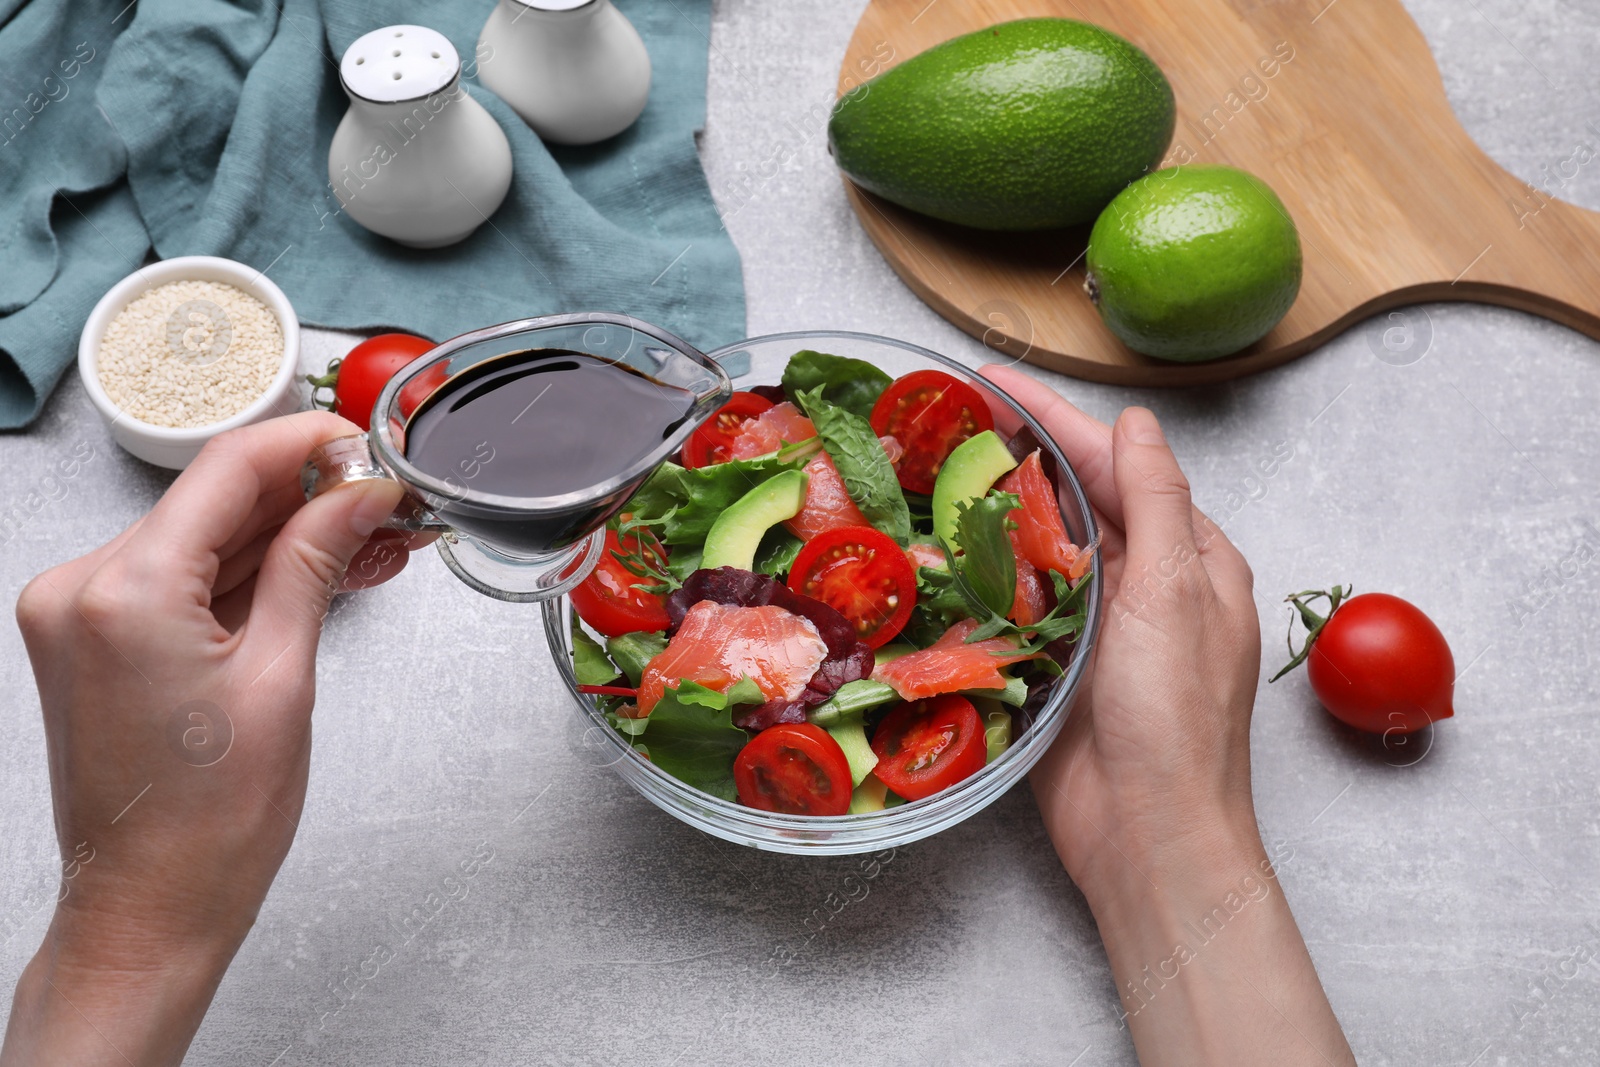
point(1146, 794)
point(176, 669)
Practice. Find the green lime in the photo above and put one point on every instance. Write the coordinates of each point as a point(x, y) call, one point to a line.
point(1193, 263)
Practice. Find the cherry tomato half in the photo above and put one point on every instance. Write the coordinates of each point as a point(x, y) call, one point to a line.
point(793, 768)
point(862, 574)
point(1381, 665)
point(607, 599)
point(360, 376)
point(711, 441)
point(929, 413)
point(924, 746)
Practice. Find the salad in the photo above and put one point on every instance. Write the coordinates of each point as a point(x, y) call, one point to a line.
point(848, 593)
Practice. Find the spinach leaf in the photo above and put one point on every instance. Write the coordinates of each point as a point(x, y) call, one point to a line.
point(633, 652)
point(868, 475)
point(852, 384)
point(589, 662)
point(690, 734)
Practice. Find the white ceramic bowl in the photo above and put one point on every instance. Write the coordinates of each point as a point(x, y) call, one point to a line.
point(162, 445)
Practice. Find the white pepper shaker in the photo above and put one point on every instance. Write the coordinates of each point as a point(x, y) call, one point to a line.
point(575, 70)
point(415, 158)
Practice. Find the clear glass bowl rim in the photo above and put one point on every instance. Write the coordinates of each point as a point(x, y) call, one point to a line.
point(870, 831)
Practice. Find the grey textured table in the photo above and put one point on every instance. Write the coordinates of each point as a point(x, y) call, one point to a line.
point(1434, 895)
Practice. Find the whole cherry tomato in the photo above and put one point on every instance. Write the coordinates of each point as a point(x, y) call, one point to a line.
point(1375, 662)
point(358, 378)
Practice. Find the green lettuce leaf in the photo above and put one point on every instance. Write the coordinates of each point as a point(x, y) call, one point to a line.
point(985, 574)
point(690, 734)
point(633, 652)
point(706, 492)
point(852, 384)
point(590, 665)
point(868, 475)
point(777, 552)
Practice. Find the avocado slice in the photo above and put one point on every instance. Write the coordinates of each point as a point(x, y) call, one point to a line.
point(996, 732)
point(736, 534)
point(853, 739)
point(869, 796)
point(968, 472)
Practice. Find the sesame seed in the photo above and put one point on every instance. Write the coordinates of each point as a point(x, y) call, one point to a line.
point(190, 353)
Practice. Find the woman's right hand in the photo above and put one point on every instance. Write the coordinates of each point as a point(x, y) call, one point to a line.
point(1146, 794)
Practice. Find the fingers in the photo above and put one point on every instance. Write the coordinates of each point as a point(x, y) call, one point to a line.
point(307, 562)
point(1155, 495)
point(1230, 572)
point(238, 568)
point(1084, 440)
point(213, 501)
point(383, 556)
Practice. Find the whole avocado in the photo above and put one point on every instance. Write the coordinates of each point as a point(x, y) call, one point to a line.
point(1025, 125)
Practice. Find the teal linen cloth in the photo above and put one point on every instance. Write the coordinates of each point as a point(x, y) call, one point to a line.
point(201, 127)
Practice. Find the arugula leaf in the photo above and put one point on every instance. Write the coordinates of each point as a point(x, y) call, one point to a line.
point(589, 662)
point(868, 475)
point(1015, 692)
point(633, 652)
point(850, 701)
point(985, 574)
point(852, 384)
point(690, 734)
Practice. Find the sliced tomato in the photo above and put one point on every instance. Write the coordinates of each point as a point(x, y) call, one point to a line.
point(861, 573)
point(608, 600)
point(929, 413)
point(793, 768)
point(1041, 535)
point(711, 442)
point(924, 746)
point(922, 554)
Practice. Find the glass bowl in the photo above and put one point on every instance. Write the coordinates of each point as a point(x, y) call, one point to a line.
point(760, 361)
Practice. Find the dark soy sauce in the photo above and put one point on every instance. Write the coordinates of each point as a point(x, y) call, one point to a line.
point(540, 423)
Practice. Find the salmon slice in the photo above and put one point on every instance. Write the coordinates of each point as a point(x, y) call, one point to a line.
point(1041, 535)
point(950, 665)
point(779, 425)
point(828, 505)
point(718, 644)
point(1031, 603)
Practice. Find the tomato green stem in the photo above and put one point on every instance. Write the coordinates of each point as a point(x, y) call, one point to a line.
point(1311, 620)
point(319, 382)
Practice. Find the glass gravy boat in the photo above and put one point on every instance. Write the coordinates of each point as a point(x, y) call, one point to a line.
point(524, 548)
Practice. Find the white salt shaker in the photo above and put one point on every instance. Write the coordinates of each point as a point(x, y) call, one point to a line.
point(415, 158)
point(575, 70)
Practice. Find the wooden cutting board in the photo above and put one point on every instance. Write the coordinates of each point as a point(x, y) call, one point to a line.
point(1338, 106)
